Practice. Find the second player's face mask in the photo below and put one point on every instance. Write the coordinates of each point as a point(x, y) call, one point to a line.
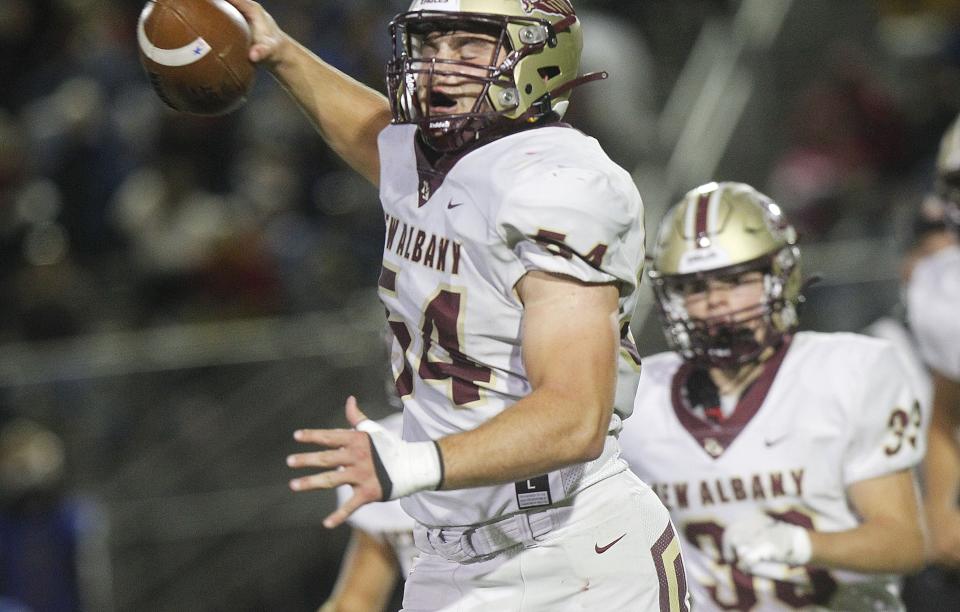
point(726, 274)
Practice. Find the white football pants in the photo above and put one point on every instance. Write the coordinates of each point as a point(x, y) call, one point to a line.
point(613, 548)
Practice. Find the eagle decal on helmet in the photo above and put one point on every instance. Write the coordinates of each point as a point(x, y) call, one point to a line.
point(550, 7)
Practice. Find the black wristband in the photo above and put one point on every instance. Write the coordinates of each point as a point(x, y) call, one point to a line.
point(386, 485)
point(440, 460)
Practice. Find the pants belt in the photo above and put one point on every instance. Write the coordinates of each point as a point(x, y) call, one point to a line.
point(479, 542)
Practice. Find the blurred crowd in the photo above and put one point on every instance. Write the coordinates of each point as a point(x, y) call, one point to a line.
point(117, 213)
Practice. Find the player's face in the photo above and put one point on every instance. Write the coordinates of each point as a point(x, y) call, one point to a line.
point(726, 300)
point(451, 90)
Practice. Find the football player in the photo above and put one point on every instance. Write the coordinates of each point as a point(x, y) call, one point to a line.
point(785, 458)
point(933, 309)
point(511, 260)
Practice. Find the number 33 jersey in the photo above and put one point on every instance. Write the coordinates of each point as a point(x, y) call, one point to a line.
point(829, 410)
point(458, 239)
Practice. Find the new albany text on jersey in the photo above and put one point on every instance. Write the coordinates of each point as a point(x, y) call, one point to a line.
point(418, 246)
point(757, 487)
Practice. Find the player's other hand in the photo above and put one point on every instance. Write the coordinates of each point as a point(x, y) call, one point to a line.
point(944, 530)
point(268, 39)
point(347, 458)
point(760, 539)
point(376, 463)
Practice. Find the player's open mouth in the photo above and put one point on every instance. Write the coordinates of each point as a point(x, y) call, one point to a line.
point(441, 101)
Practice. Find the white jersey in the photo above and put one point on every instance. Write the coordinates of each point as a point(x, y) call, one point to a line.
point(458, 239)
point(895, 332)
point(829, 410)
point(385, 521)
point(933, 305)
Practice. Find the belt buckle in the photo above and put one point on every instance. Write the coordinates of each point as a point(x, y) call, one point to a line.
point(448, 545)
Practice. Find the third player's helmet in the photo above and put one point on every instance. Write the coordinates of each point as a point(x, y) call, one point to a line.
point(542, 42)
point(719, 232)
point(948, 173)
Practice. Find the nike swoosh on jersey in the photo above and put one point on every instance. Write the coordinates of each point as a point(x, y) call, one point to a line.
point(602, 549)
point(451, 205)
point(774, 441)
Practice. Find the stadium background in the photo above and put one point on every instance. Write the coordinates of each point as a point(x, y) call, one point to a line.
point(178, 294)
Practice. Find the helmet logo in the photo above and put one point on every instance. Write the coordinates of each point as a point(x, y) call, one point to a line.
point(451, 5)
point(703, 258)
point(550, 7)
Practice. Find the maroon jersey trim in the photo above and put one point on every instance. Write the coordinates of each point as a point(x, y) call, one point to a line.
point(715, 439)
point(432, 169)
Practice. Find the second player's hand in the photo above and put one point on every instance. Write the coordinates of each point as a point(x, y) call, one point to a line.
point(348, 458)
point(268, 38)
point(760, 539)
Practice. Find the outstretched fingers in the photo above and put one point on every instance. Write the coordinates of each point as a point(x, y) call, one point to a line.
point(322, 480)
point(346, 458)
point(362, 495)
point(322, 459)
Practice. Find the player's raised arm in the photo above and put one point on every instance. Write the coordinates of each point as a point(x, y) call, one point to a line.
point(348, 114)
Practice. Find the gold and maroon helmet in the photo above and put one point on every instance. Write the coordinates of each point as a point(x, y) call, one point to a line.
point(718, 232)
point(541, 40)
point(948, 174)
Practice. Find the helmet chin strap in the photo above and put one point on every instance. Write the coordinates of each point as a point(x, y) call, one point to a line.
point(731, 346)
point(544, 104)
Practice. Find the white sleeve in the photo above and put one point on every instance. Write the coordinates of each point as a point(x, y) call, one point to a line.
point(587, 224)
point(887, 424)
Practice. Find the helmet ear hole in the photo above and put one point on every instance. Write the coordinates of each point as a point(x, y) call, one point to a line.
point(548, 72)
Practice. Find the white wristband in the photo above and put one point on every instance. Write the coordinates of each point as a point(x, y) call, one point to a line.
point(801, 548)
point(403, 468)
point(758, 538)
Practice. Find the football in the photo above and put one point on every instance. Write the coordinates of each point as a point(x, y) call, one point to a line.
point(195, 54)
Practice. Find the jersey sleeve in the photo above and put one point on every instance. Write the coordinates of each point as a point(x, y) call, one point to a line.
point(582, 223)
point(888, 425)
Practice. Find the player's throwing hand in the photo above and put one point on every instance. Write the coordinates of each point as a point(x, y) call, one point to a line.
point(268, 38)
